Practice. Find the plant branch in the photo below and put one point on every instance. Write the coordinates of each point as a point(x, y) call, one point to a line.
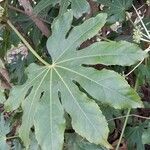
point(134, 68)
point(127, 15)
point(146, 50)
point(123, 129)
point(131, 115)
point(127, 117)
point(145, 40)
point(27, 44)
point(141, 21)
point(105, 39)
point(29, 11)
point(11, 137)
point(16, 9)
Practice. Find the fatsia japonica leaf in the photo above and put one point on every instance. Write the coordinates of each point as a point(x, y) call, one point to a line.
point(133, 135)
point(79, 7)
point(76, 37)
point(116, 8)
point(106, 86)
point(39, 87)
point(51, 89)
point(87, 119)
point(108, 53)
point(146, 135)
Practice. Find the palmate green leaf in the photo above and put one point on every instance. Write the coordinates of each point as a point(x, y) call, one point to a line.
point(79, 7)
point(76, 37)
point(51, 132)
point(109, 53)
point(87, 119)
point(39, 81)
point(134, 137)
point(116, 8)
point(106, 86)
point(50, 89)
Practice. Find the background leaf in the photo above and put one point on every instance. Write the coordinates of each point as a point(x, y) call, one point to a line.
point(134, 137)
point(75, 142)
point(78, 7)
point(146, 135)
point(116, 8)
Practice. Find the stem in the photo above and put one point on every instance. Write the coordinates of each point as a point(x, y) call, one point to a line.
point(11, 137)
point(105, 39)
point(148, 49)
point(134, 68)
point(131, 115)
point(127, 116)
point(142, 39)
point(130, 20)
point(141, 21)
point(145, 35)
point(27, 44)
point(124, 126)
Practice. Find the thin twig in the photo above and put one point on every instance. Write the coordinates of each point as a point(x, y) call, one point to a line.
point(145, 40)
point(16, 9)
point(141, 21)
point(141, 7)
point(146, 36)
point(127, 116)
point(134, 68)
point(11, 137)
point(105, 39)
point(131, 115)
point(130, 19)
point(146, 50)
point(123, 129)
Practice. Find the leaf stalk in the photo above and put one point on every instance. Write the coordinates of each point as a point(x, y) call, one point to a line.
point(27, 44)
